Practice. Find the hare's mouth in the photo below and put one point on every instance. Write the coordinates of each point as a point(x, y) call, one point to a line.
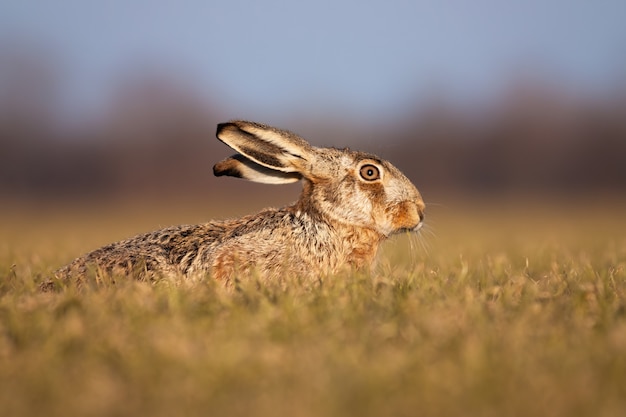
point(415, 229)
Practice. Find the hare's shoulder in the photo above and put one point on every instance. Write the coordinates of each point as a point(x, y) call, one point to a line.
point(270, 224)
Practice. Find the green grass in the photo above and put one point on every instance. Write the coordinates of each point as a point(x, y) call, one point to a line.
point(506, 313)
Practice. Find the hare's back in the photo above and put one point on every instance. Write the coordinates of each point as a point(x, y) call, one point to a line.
point(164, 251)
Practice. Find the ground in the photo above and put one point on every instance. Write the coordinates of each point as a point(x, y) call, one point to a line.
point(499, 311)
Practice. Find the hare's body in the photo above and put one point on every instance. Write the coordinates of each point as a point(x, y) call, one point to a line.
point(350, 203)
point(223, 248)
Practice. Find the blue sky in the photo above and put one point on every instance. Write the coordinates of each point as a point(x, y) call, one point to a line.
point(369, 58)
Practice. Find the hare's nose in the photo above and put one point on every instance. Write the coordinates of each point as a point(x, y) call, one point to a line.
point(421, 207)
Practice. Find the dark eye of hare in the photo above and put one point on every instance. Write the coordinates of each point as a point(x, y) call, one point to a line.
point(369, 172)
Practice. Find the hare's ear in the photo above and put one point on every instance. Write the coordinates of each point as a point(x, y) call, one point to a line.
point(241, 167)
point(269, 147)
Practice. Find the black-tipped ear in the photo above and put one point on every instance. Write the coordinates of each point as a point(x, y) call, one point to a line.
point(239, 166)
point(266, 146)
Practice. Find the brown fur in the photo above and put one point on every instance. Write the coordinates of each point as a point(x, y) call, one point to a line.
point(338, 222)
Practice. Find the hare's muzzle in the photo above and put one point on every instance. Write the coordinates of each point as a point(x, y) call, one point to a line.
point(408, 215)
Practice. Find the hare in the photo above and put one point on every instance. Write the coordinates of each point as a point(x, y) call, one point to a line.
point(350, 203)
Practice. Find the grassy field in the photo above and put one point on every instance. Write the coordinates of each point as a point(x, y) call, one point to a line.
point(503, 312)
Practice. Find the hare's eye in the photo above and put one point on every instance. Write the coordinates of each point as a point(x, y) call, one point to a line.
point(369, 172)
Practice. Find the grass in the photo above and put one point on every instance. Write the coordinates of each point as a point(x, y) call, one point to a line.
point(510, 313)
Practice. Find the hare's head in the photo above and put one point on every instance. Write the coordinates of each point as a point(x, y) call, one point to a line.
point(343, 186)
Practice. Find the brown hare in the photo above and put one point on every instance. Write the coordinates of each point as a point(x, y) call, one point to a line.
point(350, 202)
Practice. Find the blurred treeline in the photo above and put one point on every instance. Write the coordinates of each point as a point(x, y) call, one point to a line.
point(155, 136)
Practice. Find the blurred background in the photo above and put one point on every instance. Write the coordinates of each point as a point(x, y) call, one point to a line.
point(486, 99)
